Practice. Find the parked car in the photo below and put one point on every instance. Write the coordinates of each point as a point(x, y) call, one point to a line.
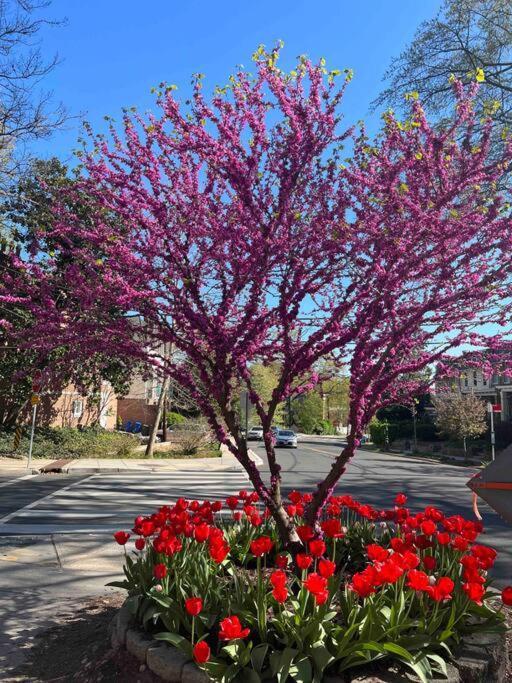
point(286, 437)
point(255, 433)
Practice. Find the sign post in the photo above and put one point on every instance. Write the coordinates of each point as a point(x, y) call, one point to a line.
point(493, 408)
point(34, 400)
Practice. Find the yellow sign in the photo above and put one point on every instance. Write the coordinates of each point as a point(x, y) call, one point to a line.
point(35, 399)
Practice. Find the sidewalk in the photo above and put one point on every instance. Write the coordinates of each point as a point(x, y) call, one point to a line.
point(227, 462)
point(44, 577)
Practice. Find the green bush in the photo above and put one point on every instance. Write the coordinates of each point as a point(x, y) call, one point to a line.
point(326, 427)
point(67, 442)
point(425, 431)
point(175, 419)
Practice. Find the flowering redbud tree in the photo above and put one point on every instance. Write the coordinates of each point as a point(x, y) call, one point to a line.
point(237, 230)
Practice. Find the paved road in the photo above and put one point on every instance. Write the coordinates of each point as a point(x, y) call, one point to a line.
point(100, 503)
point(376, 478)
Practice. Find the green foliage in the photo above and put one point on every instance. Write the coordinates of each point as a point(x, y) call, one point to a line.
point(175, 419)
point(67, 442)
point(326, 427)
point(425, 431)
point(264, 379)
point(308, 412)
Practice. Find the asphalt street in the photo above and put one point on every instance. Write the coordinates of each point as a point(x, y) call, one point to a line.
point(376, 478)
point(98, 504)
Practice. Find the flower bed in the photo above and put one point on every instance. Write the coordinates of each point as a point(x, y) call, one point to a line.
point(368, 586)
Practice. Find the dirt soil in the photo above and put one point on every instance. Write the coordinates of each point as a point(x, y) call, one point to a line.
point(77, 649)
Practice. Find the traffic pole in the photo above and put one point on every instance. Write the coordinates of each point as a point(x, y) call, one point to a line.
point(35, 401)
point(36, 388)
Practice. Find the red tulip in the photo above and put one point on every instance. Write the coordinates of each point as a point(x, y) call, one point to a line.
point(281, 561)
point(417, 580)
point(261, 546)
point(401, 499)
point(232, 502)
point(332, 528)
point(317, 548)
point(376, 553)
point(506, 596)
point(160, 571)
point(321, 597)
point(201, 532)
point(315, 583)
point(278, 578)
point(193, 606)
point(326, 568)
point(303, 561)
point(121, 537)
point(428, 527)
point(362, 585)
point(140, 544)
point(442, 590)
point(280, 594)
point(305, 532)
point(429, 562)
point(474, 591)
point(201, 652)
point(231, 629)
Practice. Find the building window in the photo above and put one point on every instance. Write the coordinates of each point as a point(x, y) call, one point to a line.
point(465, 380)
point(484, 380)
point(475, 380)
point(78, 408)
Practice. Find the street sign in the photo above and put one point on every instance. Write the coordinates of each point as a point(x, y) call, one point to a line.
point(494, 408)
point(34, 399)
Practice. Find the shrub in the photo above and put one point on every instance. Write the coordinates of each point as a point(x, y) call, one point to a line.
point(191, 436)
point(67, 442)
point(227, 594)
point(326, 427)
point(175, 419)
point(425, 431)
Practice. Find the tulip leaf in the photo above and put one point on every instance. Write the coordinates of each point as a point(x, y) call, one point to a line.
point(300, 670)
point(258, 656)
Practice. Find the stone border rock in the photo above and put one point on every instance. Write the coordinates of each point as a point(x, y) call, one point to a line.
point(482, 658)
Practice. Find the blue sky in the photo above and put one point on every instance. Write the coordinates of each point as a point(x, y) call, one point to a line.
point(114, 51)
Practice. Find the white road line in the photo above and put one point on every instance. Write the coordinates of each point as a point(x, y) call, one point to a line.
point(40, 500)
point(14, 481)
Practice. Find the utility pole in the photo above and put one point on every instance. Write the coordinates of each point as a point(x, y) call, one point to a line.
point(160, 409)
point(156, 422)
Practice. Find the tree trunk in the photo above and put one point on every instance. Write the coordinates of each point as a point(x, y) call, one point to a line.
point(325, 489)
point(158, 416)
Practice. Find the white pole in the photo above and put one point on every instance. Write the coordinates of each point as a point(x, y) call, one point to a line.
point(32, 436)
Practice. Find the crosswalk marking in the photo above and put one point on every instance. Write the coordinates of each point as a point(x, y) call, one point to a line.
point(100, 503)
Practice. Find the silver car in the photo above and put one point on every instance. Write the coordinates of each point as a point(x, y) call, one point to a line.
point(286, 437)
point(255, 434)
